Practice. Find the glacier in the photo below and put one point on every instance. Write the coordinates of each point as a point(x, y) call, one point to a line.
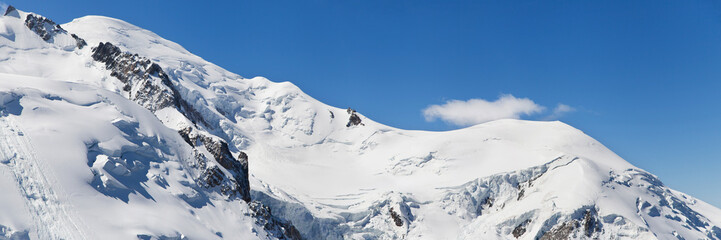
point(110, 131)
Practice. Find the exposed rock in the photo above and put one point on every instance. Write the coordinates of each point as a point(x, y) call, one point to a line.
point(587, 225)
point(277, 228)
point(561, 232)
point(520, 229)
point(590, 225)
point(11, 11)
point(354, 119)
point(214, 178)
point(520, 194)
point(79, 42)
point(211, 176)
point(243, 159)
point(145, 81)
point(44, 27)
point(396, 217)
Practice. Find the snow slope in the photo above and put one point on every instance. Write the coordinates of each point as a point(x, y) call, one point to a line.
point(92, 163)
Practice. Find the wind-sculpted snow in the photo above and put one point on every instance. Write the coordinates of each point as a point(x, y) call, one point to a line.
point(94, 165)
point(120, 172)
point(150, 142)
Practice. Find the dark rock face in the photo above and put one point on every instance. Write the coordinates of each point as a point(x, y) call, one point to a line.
point(236, 185)
point(560, 232)
point(354, 119)
point(586, 225)
point(243, 159)
point(520, 229)
point(590, 225)
point(277, 228)
point(9, 10)
point(145, 81)
point(79, 42)
point(212, 176)
point(149, 86)
point(44, 27)
point(396, 217)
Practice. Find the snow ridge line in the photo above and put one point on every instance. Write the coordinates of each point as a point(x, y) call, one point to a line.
point(51, 218)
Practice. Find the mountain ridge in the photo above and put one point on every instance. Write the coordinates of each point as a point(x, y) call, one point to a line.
point(321, 176)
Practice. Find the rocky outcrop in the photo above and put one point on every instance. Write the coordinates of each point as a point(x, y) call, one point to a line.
point(46, 28)
point(520, 229)
point(576, 228)
point(211, 176)
point(243, 159)
point(560, 232)
point(276, 227)
point(79, 42)
point(145, 82)
point(10, 11)
point(396, 217)
point(354, 119)
point(148, 85)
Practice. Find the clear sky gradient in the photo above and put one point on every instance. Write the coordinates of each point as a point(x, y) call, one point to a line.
point(643, 76)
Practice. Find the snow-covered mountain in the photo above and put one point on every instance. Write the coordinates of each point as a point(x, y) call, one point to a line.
point(109, 131)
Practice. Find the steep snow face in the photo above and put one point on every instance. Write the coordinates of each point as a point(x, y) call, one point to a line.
point(313, 164)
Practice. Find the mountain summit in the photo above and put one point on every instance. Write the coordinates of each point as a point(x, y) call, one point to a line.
point(109, 131)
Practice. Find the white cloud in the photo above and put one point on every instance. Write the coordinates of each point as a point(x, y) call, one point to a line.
point(560, 110)
point(475, 111)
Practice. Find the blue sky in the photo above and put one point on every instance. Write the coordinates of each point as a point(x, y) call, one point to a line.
point(642, 77)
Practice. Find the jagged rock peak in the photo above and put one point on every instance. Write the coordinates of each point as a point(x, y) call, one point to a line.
point(44, 27)
point(354, 119)
point(10, 10)
point(146, 82)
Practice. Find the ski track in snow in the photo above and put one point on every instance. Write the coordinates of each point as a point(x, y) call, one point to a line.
point(50, 217)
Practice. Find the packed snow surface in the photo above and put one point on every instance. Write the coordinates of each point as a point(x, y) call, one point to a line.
point(79, 160)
